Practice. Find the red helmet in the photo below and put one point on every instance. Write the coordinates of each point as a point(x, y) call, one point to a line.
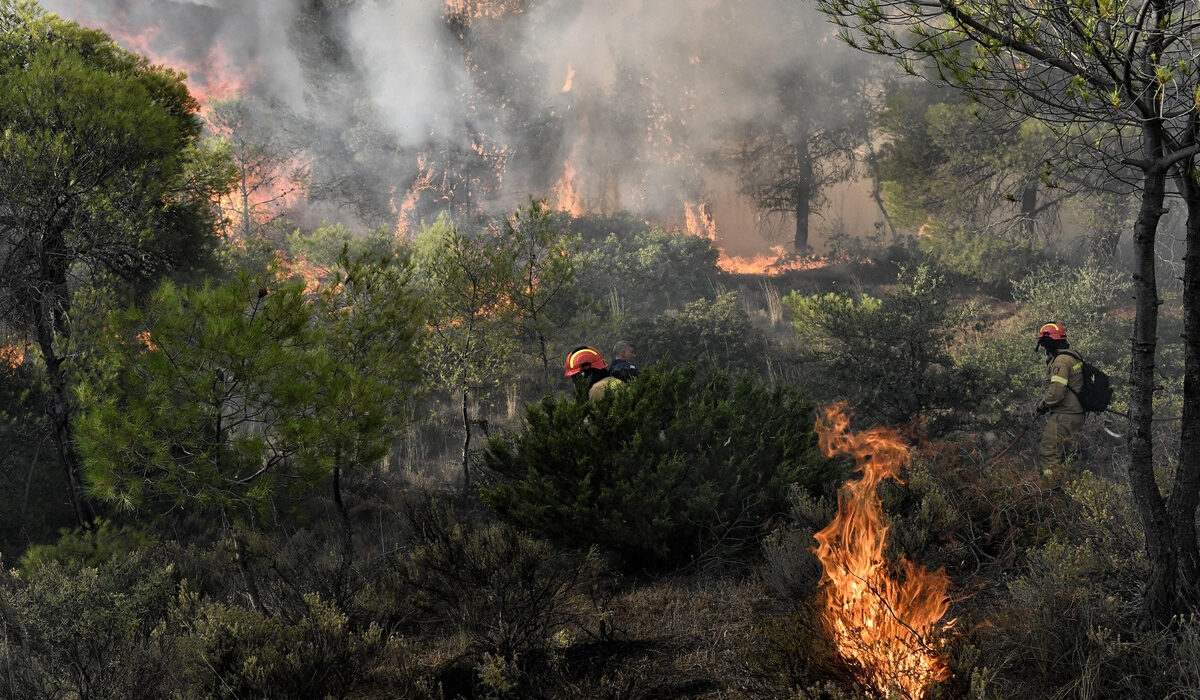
point(583, 358)
point(1053, 331)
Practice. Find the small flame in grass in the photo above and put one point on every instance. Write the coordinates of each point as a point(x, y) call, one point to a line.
point(698, 221)
point(570, 78)
point(883, 624)
point(469, 10)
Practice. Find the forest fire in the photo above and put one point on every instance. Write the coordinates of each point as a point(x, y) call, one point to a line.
point(566, 195)
point(699, 221)
point(883, 625)
point(268, 191)
point(215, 78)
point(470, 10)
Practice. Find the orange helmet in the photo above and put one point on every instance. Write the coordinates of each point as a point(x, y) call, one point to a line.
point(1053, 331)
point(583, 358)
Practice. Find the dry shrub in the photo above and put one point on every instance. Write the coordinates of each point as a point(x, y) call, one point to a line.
point(64, 626)
point(1070, 622)
point(231, 652)
point(790, 568)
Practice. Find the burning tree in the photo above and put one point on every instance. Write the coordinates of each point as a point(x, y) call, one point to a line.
point(269, 172)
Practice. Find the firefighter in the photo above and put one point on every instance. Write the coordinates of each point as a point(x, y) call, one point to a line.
point(1064, 381)
point(590, 371)
point(622, 367)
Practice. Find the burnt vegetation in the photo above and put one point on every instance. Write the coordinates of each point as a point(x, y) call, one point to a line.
point(281, 406)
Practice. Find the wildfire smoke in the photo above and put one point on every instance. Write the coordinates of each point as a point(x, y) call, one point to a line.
point(881, 623)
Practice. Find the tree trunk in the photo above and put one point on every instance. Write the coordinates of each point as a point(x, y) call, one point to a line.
point(1160, 545)
point(1029, 208)
point(347, 528)
point(876, 180)
point(466, 447)
point(248, 578)
point(51, 328)
point(802, 194)
point(1185, 493)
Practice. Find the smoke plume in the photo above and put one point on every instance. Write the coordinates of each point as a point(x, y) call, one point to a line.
point(624, 105)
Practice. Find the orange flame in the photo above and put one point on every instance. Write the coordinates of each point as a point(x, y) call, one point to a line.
point(12, 355)
point(882, 624)
point(468, 11)
point(570, 78)
point(566, 196)
point(698, 221)
point(405, 212)
point(299, 266)
point(146, 341)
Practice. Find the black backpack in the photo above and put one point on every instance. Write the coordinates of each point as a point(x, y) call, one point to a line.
point(1097, 390)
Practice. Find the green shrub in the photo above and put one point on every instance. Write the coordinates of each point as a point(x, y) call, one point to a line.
point(86, 548)
point(716, 333)
point(657, 269)
point(1085, 584)
point(86, 632)
point(667, 470)
point(892, 358)
point(982, 256)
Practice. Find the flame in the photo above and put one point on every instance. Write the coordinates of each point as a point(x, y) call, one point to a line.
point(405, 212)
point(12, 355)
point(882, 624)
point(299, 266)
point(698, 221)
point(566, 196)
point(265, 192)
point(145, 339)
point(570, 78)
point(467, 11)
point(213, 78)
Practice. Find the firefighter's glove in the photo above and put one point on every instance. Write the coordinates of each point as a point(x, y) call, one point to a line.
point(1042, 408)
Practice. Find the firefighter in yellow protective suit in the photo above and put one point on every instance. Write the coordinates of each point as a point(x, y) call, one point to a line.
point(1064, 381)
point(586, 365)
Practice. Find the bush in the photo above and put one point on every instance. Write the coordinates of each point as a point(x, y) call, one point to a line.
point(229, 652)
point(506, 592)
point(92, 547)
point(657, 270)
point(1088, 576)
point(87, 632)
point(668, 470)
point(982, 256)
point(713, 334)
point(891, 358)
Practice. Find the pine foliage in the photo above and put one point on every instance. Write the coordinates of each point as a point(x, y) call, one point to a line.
point(672, 468)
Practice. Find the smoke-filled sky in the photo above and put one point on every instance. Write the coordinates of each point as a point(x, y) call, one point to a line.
point(638, 99)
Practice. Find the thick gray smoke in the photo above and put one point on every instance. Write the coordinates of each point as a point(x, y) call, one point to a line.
point(640, 98)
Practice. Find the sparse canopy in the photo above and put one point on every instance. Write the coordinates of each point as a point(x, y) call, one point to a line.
point(1118, 77)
